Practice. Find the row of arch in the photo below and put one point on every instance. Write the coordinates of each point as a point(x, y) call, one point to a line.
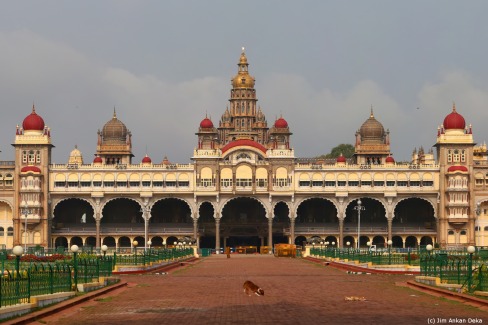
point(122, 177)
point(379, 241)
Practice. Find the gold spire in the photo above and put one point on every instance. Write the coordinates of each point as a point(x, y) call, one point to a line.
point(115, 114)
point(372, 115)
point(454, 106)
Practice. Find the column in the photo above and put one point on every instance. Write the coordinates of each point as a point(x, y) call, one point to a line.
point(270, 232)
point(340, 244)
point(195, 232)
point(390, 222)
point(97, 225)
point(146, 226)
point(217, 236)
point(292, 231)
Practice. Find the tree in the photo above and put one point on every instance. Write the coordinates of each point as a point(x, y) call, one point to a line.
point(347, 150)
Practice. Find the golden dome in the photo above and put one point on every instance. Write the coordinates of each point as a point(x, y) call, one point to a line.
point(372, 130)
point(243, 79)
point(114, 131)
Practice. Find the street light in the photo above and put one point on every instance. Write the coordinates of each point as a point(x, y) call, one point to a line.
point(359, 208)
point(25, 212)
point(429, 248)
point(74, 249)
point(471, 250)
point(17, 250)
point(104, 249)
point(149, 243)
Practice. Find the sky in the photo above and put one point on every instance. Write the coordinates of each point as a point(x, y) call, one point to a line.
point(165, 65)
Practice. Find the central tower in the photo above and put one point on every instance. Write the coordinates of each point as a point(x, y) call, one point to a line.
point(243, 119)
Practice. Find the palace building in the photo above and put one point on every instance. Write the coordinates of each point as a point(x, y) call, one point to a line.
point(245, 187)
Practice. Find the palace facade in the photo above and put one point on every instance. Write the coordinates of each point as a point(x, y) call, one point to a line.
point(245, 186)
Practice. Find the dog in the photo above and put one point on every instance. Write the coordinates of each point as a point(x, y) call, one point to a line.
point(354, 298)
point(250, 287)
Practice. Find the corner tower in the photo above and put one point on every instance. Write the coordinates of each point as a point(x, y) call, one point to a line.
point(455, 147)
point(32, 158)
point(372, 142)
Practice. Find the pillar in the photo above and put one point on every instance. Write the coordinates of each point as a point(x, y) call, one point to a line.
point(270, 232)
point(217, 236)
point(97, 225)
point(195, 232)
point(390, 235)
point(292, 231)
point(340, 244)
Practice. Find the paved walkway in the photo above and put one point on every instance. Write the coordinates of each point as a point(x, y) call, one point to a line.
point(296, 292)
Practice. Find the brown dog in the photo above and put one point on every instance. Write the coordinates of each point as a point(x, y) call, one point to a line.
point(250, 287)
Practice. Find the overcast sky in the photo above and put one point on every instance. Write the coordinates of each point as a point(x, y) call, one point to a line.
point(164, 64)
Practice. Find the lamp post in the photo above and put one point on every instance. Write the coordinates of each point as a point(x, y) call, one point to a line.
point(104, 249)
point(135, 243)
point(477, 227)
point(389, 242)
point(348, 244)
point(149, 243)
point(74, 250)
point(17, 250)
point(471, 250)
point(359, 208)
point(25, 212)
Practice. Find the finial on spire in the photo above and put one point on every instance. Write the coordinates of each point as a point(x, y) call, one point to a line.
point(33, 108)
point(371, 111)
point(243, 49)
point(453, 106)
point(115, 114)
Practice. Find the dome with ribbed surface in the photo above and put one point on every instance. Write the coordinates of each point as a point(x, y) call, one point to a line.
point(372, 130)
point(243, 79)
point(206, 123)
point(114, 131)
point(146, 160)
point(281, 123)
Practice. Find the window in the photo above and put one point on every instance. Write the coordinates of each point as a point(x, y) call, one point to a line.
point(477, 228)
point(402, 183)
point(38, 157)
point(148, 183)
point(341, 183)
point(317, 183)
point(72, 184)
point(365, 183)
point(157, 184)
point(353, 183)
point(243, 182)
point(59, 184)
point(168, 184)
point(226, 182)
point(261, 182)
point(108, 184)
point(183, 183)
point(85, 184)
point(455, 157)
point(449, 156)
point(2, 231)
point(428, 183)
point(121, 184)
point(486, 228)
point(463, 156)
point(304, 183)
point(450, 232)
point(415, 183)
point(32, 158)
point(134, 184)
point(463, 232)
point(97, 184)
point(330, 183)
point(24, 157)
point(10, 231)
point(379, 183)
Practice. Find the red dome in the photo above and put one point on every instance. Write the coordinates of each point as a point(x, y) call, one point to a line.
point(454, 120)
point(30, 169)
point(33, 121)
point(453, 169)
point(389, 159)
point(206, 123)
point(146, 160)
point(341, 159)
point(97, 160)
point(281, 123)
point(244, 142)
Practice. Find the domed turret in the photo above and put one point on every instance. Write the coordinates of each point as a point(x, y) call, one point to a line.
point(372, 130)
point(243, 79)
point(75, 157)
point(281, 123)
point(33, 122)
point(114, 131)
point(97, 160)
point(341, 159)
point(146, 160)
point(389, 160)
point(206, 123)
point(454, 121)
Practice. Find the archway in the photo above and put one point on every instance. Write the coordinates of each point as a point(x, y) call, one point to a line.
point(411, 242)
point(426, 240)
point(371, 221)
point(125, 242)
point(109, 241)
point(171, 212)
point(91, 241)
point(317, 212)
point(243, 223)
point(281, 221)
point(61, 242)
point(76, 241)
point(300, 241)
point(350, 240)
point(156, 241)
point(172, 241)
point(397, 242)
point(73, 213)
point(206, 225)
point(414, 212)
point(122, 211)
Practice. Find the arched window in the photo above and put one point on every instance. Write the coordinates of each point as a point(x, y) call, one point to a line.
point(2, 231)
point(463, 232)
point(10, 231)
point(450, 232)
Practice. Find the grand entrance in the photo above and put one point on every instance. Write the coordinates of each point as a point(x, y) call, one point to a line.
point(243, 223)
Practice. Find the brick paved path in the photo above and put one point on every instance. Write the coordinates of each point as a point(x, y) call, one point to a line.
point(296, 292)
